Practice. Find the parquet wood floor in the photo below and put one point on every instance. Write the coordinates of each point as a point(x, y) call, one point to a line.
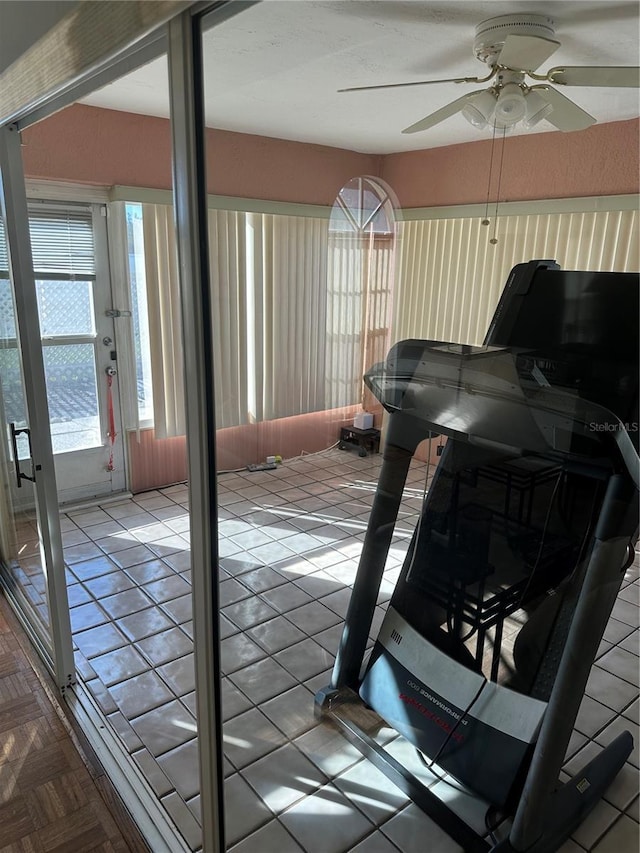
point(54, 796)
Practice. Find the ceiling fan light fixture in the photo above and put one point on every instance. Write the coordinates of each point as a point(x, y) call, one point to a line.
point(511, 106)
point(537, 109)
point(478, 111)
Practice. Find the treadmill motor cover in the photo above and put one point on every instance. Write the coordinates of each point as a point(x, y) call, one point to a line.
point(479, 731)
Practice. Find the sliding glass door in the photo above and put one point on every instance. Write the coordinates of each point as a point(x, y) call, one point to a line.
point(19, 538)
point(31, 559)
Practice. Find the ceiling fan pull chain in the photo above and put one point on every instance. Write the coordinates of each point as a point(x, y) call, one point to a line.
point(486, 220)
point(494, 239)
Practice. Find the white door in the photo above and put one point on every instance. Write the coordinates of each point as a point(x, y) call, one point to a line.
point(70, 258)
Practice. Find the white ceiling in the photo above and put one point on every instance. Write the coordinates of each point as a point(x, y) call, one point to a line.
point(275, 68)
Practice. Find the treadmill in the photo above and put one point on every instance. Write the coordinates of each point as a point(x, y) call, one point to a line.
point(525, 532)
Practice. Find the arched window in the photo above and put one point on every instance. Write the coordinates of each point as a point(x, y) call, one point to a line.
point(363, 207)
point(359, 288)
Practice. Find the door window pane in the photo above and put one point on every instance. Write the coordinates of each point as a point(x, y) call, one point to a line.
point(73, 397)
point(12, 395)
point(7, 320)
point(62, 241)
point(65, 308)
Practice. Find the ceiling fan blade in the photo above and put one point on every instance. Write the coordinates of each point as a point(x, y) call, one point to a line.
point(566, 115)
point(526, 53)
point(439, 115)
point(594, 75)
point(417, 83)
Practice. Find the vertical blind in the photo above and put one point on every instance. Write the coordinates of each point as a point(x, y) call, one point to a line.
point(290, 309)
point(300, 312)
point(165, 320)
point(380, 278)
point(228, 272)
point(268, 290)
point(344, 319)
point(450, 276)
point(359, 301)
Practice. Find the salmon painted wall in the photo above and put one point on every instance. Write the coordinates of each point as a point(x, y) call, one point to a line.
point(106, 147)
point(602, 160)
point(159, 462)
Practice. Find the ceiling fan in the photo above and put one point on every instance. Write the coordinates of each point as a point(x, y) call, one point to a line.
point(513, 47)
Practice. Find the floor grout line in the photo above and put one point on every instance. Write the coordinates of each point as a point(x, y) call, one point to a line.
point(234, 492)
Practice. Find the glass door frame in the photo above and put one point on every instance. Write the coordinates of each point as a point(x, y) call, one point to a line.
point(186, 98)
point(190, 210)
point(57, 649)
point(189, 187)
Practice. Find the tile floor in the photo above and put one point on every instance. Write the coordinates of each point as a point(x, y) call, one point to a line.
point(289, 546)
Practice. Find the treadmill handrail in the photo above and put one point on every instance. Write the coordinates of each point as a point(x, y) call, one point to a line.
point(475, 394)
